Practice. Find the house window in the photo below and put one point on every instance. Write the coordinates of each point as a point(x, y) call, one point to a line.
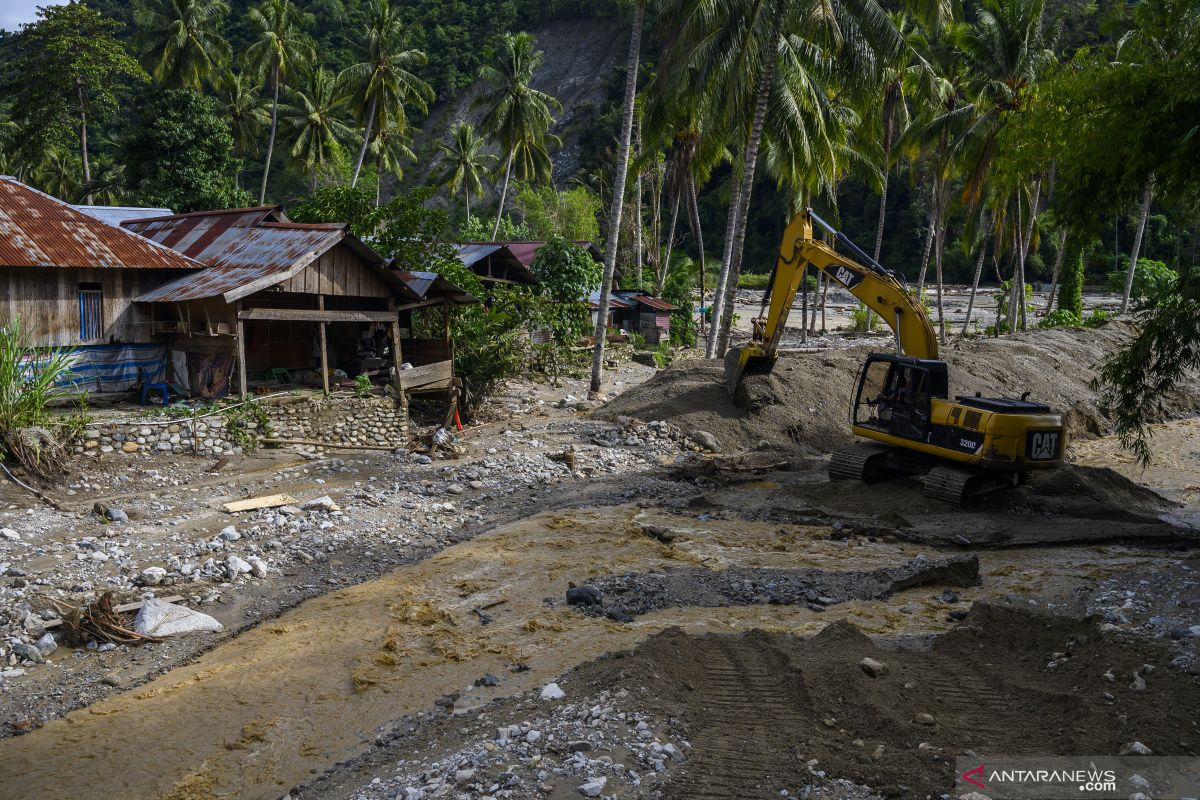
point(91, 312)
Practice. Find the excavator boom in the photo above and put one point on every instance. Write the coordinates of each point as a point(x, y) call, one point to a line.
point(859, 274)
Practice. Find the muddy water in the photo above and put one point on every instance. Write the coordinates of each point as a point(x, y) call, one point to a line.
point(291, 697)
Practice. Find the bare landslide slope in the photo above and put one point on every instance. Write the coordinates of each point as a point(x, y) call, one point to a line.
point(801, 408)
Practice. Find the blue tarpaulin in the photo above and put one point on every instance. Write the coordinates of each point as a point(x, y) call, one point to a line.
point(115, 367)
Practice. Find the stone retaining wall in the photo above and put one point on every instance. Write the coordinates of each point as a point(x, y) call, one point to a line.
point(375, 421)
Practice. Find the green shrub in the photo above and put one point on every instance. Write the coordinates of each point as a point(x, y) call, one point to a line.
point(362, 385)
point(1097, 318)
point(1061, 318)
point(637, 340)
point(859, 316)
point(30, 380)
point(247, 424)
point(1150, 279)
point(663, 355)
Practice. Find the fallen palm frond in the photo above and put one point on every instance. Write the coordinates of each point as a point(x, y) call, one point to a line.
point(97, 621)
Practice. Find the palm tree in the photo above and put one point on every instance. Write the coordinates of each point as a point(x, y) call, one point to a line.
point(632, 62)
point(1005, 52)
point(735, 49)
point(282, 47)
point(1162, 32)
point(384, 81)
point(517, 115)
point(58, 174)
point(462, 162)
point(181, 41)
point(245, 110)
point(312, 121)
point(391, 147)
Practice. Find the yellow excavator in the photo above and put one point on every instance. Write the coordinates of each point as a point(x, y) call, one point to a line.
point(965, 447)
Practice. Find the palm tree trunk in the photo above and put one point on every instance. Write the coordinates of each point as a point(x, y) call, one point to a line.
point(694, 213)
point(1147, 194)
point(665, 268)
point(1017, 301)
point(637, 211)
point(718, 306)
point(262, 193)
point(925, 258)
point(939, 250)
point(83, 145)
point(467, 192)
point(362, 151)
point(882, 215)
point(978, 274)
point(765, 82)
point(614, 222)
point(503, 193)
point(1058, 259)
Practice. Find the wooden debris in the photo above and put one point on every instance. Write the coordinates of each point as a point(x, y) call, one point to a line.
point(265, 501)
point(99, 621)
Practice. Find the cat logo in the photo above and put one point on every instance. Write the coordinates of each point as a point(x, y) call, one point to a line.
point(1043, 446)
point(847, 277)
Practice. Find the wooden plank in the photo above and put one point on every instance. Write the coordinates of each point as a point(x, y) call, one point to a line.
point(241, 352)
point(324, 349)
point(430, 374)
point(397, 349)
point(315, 315)
point(255, 503)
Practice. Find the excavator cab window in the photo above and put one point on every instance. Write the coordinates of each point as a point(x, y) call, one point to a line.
point(894, 397)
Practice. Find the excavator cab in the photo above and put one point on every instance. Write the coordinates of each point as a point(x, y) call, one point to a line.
point(895, 394)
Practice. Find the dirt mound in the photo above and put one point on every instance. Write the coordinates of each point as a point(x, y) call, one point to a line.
point(802, 406)
point(1008, 680)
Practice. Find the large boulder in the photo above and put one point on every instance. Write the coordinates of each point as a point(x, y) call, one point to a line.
point(159, 618)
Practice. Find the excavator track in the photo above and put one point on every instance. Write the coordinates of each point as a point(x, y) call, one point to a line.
point(869, 463)
point(958, 485)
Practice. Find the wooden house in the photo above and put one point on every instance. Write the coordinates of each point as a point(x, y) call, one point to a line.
point(71, 280)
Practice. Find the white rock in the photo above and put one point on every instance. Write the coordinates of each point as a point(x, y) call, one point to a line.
point(323, 503)
point(1135, 749)
point(229, 534)
point(153, 576)
point(258, 567)
point(552, 691)
point(593, 788)
point(236, 566)
point(158, 618)
point(10, 534)
point(533, 737)
point(47, 644)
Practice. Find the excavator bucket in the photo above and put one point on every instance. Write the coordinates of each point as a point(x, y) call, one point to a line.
point(742, 360)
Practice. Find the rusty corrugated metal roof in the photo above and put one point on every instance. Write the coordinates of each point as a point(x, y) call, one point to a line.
point(483, 257)
point(614, 302)
point(650, 301)
point(37, 230)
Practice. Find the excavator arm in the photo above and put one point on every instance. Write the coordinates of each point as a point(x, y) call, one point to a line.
point(874, 285)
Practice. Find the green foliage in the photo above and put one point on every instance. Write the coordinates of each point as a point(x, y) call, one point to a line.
point(637, 341)
point(362, 385)
point(181, 42)
point(179, 154)
point(247, 424)
point(477, 229)
point(30, 380)
point(1150, 279)
point(68, 73)
point(567, 275)
point(677, 291)
point(572, 214)
point(1097, 318)
point(1061, 318)
point(1135, 380)
point(339, 204)
point(859, 316)
point(663, 354)
point(1070, 293)
point(1002, 296)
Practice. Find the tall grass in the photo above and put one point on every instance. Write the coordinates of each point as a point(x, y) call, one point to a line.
point(31, 379)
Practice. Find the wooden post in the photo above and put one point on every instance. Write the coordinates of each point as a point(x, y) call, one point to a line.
point(241, 352)
point(397, 352)
point(324, 349)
